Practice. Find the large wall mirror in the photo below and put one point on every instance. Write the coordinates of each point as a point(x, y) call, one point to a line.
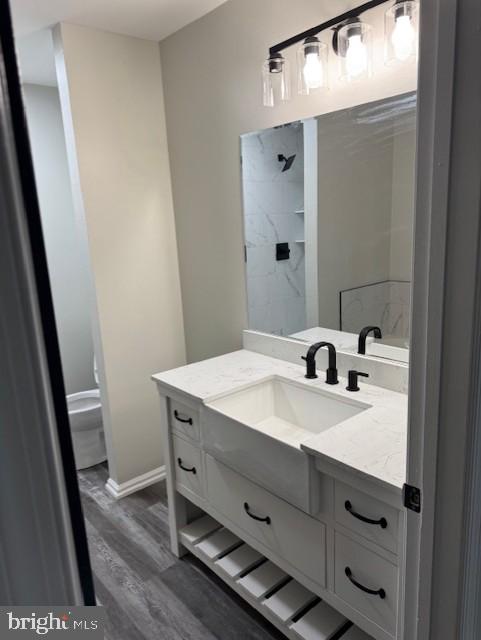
point(328, 220)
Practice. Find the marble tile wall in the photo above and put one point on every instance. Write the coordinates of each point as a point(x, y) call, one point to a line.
point(385, 304)
point(276, 291)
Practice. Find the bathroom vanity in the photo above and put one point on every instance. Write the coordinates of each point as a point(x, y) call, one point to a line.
point(290, 490)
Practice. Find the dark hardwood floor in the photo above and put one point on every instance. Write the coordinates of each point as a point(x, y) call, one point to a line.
point(147, 592)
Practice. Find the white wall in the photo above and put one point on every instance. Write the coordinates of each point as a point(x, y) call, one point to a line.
point(112, 102)
point(67, 263)
point(211, 72)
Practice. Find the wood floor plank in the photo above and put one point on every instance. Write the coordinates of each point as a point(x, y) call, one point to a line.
point(148, 593)
point(215, 604)
point(119, 625)
point(131, 541)
point(131, 515)
point(154, 611)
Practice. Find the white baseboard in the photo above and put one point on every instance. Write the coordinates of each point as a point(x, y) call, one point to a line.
point(131, 486)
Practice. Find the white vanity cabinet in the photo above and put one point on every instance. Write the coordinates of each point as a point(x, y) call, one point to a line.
point(189, 467)
point(356, 570)
point(367, 516)
point(285, 531)
point(184, 420)
point(333, 573)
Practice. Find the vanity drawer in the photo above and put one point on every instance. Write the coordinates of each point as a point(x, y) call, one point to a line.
point(184, 420)
point(353, 508)
point(288, 532)
point(358, 569)
point(188, 466)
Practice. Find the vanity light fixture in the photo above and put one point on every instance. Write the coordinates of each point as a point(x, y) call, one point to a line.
point(352, 42)
point(401, 31)
point(276, 83)
point(311, 66)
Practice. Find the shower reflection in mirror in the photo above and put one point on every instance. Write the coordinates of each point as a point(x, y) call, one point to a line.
point(336, 193)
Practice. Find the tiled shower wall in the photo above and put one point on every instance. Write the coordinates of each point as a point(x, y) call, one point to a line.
point(384, 304)
point(273, 206)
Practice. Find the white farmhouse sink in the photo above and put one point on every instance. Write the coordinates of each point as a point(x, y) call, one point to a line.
point(258, 431)
point(285, 410)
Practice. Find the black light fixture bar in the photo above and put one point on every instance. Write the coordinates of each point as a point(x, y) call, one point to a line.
point(352, 13)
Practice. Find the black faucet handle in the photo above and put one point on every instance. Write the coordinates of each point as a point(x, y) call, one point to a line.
point(352, 379)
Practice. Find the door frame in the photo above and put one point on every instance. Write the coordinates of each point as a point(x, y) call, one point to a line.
point(444, 388)
point(44, 557)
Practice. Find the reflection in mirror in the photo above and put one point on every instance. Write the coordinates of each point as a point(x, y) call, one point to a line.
point(328, 220)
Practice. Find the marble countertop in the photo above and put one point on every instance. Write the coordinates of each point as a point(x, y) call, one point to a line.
point(340, 339)
point(373, 442)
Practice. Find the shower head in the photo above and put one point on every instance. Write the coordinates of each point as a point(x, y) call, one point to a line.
point(287, 161)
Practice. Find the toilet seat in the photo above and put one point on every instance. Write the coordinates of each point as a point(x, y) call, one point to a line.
point(83, 401)
point(85, 415)
point(85, 410)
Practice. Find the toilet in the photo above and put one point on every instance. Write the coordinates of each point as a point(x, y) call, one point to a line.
point(85, 415)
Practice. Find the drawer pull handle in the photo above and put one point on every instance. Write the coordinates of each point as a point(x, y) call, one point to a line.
point(180, 419)
point(382, 522)
point(267, 520)
point(193, 470)
point(373, 592)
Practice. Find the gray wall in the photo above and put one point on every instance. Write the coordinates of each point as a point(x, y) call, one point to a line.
point(66, 263)
point(366, 205)
point(355, 201)
point(211, 72)
point(402, 220)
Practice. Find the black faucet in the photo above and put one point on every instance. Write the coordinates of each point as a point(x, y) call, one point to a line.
point(363, 335)
point(352, 379)
point(310, 358)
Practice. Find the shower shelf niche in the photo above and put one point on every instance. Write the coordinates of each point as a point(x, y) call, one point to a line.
point(284, 602)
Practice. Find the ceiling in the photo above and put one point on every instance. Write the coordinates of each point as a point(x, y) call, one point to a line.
point(149, 19)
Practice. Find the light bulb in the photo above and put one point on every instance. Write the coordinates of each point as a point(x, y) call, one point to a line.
point(356, 56)
point(313, 71)
point(403, 38)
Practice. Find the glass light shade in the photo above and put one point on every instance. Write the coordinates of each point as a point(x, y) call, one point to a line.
point(401, 32)
point(354, 47)
point(276, 86)
point(311, 66)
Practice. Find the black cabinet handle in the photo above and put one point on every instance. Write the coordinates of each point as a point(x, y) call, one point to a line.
point(193, 470)
point(372, 592)
point(185, 420)
point(382, 522)
point(267, 520)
